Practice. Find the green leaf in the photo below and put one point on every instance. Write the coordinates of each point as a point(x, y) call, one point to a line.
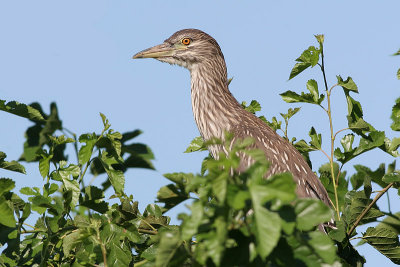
point(291, 112)
point(385, 241)
point(130, 135)
point(115, 138)
point(293, 97)
point(280, 186)
point(190, 224)
point(237, 199)
point(309, 58)
point(171, 196)
point(391, 222)
point(274, 124)
point(363, 172)
point(179, 178)
point(391, 146)
point(391, 177)
point(61, 140)
point(338, 234)
point(6, 185)
point(197, 144)
point(6, 213)
point(348, 84)
point(320, 38)
point(106, 123)
point(267, 224)
point(303, 147)
point(374, 140)
point(312, 86)
point(116, 177)
point(253, 107)
point(298, 68)
point(356, 203)
point(311, 212)
point(219, 186)
point(93, 199)
point(85, 152)
point(316, 139)
point(119, 255)
point(355, 115)
point(154, 210)
point(74, 187)
point(267, 228)
point(29, 191)
point(341, 185)
point(347, 142)
point(39, 135)
point(395, 116)
point(10, 165)
point(70, 241)
point(323, 246)
point(21, 110)
point(44, 165)
point(169, 244)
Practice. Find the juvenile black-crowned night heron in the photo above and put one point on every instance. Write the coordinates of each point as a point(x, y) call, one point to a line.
point(216, 110)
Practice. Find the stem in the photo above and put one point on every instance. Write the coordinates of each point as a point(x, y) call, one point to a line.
point(141, 263)
point(148, 224)
point(388, 200)
point(103, 248)
point(344, 129)
point(84, 171)
point(104, 252)
point(365, 211)
point(286, 127)
point(329, 112)
point(33, 227)
point(329, 158)
point(75, 143)
point(338, 174)
point(145, 231)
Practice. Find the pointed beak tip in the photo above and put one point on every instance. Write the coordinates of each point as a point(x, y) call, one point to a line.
point(138, 55)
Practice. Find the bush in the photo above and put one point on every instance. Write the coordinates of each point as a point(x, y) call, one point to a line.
point(234, 219)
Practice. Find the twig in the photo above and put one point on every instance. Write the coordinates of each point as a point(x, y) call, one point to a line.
point(145, 231)
point(329, 112)
point(329, 158)
point(365, 211)
point(75, 143)
point(388, 200)
point(140, 263)
point(344, 129)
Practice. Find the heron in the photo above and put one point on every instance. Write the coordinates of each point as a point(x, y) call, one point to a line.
point(216, 110)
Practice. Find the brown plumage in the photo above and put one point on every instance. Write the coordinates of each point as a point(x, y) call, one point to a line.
point(216, 110)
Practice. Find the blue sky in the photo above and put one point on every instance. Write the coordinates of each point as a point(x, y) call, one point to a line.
point(78, 54)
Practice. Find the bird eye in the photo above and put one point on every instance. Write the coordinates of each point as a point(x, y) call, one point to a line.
point(186, 41)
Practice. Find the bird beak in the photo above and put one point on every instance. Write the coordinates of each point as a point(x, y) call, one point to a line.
point(161, 50)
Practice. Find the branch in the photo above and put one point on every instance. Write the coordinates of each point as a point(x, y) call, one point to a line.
point(365, 211)
point(145, 231)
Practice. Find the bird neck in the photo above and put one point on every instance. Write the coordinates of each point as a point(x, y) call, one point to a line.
point(215, 109)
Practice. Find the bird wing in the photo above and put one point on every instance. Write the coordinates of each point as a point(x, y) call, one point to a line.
point(283, 157)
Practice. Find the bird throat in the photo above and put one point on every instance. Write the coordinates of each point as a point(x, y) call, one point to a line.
point(215, 110)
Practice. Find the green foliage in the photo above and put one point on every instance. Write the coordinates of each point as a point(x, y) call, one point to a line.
point(242, 218)
point(385, 241)
point(10, 165)
point(398, 71)
point(233, 219)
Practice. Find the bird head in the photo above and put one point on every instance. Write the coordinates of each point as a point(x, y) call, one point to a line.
point(185, 48)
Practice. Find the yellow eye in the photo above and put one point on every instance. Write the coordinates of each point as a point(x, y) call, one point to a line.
point(186, 41)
